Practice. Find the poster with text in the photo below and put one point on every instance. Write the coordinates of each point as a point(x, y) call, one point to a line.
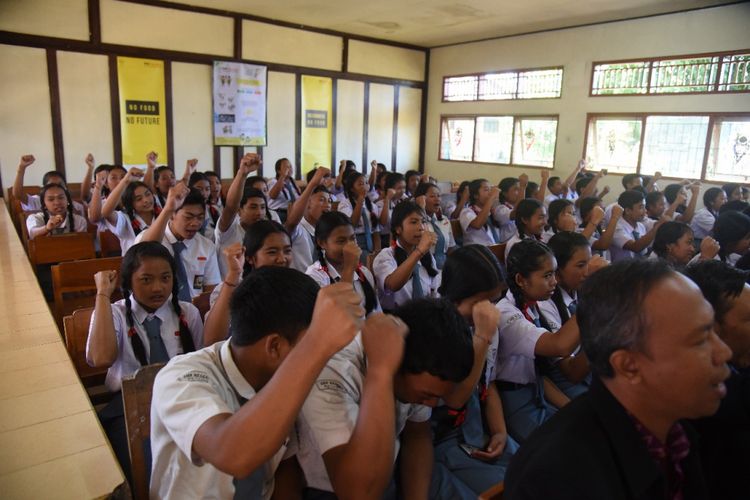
point(143, 115)
point(239, 104)
point(317, 106)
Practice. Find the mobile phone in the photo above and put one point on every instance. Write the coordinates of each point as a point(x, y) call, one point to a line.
point(468, 449)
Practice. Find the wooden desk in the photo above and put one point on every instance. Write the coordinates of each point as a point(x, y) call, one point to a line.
point(51, 443)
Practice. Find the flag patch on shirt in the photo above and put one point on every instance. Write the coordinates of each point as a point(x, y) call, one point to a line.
point(200, 257)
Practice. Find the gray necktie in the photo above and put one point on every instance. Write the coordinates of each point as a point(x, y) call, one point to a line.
point(157, 349)
point(416, 283)
point(183, 287)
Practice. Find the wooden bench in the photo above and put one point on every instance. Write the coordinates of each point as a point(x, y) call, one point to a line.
point(136, 397)
point(499, 251)
point(61, 248)
point(73, 285)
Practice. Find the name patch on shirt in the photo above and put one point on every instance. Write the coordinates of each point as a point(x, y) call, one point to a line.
point(194, 376)
point(333, 386)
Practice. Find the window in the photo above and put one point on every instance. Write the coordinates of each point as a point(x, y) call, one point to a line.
point(507, 140)
point(512, 84)
point(702, 73)
point(674, 145)
point(729, 153)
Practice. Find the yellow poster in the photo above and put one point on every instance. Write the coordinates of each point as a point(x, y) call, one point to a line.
point(317, 104)
point(143, 115)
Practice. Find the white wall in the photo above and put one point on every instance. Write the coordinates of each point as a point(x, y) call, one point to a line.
point(709, 30)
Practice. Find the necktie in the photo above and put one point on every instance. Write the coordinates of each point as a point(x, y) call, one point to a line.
point(365, 215)
point(440, 245)
point(493, 230)
point(183, 291)
point(157, 350)
point(636, 235)
point(288, 193)
point(572, 307)
point(416, 283)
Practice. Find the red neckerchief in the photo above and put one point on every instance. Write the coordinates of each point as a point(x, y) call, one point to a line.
point(214, 211)
point(667, 455)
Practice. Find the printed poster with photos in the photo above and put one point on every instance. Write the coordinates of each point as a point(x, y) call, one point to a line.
point(239, 104)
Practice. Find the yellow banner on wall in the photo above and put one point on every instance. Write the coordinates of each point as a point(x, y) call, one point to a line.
point(143, 114)
point(317, 107)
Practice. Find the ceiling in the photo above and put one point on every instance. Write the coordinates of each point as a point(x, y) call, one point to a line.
point(431, 23)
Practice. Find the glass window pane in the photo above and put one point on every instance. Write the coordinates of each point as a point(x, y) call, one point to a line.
point(540, 84)
point(494, 137)
point(457, 139)
point(684, 75)
point(674, 146)
point(622, 78)
point(498, 86)
point(613, 144)
point(460, 88)
point(534, 142)
point(729, 156)
point(735, 73)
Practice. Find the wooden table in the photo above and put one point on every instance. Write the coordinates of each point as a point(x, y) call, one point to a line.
point(51, 443)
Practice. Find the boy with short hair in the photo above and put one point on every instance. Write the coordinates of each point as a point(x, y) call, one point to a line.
point(631, 237)
point(368, 400)
point(225, 412)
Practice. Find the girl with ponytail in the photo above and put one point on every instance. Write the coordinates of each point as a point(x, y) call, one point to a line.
point(529, 399)
point(149, 325)
point(338, 259)
point(406, 270)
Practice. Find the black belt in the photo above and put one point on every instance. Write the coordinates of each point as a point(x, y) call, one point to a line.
point(502, 385)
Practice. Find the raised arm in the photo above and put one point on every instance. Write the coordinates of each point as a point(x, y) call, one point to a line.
point(148, 178)
point(278, 186)
point(340, 176)
point(175, 199)
point(361, 468)
point(645, 240)
point(239, 443)
point(652, 182)
point(300, 204)
point(561, 343)
point(481, 219)
point(190, 166)
point(486, 320)
point(608, 235)
point(542, 186)
point(108, 210)
point(570, 181)
point(398, 278)
point(385, 212)
point(53, 223)
point(26, 160)
point(217, 322)
point(95, 204)
point(248, 163)
point(373, 173)
point(101, 348)
point(597, 215)
point(86, 182)
point(687, 216)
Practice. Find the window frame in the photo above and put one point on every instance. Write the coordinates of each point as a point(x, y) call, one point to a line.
point(712, 118)
point(511, 163)
point(517, 71)
point(652, 60)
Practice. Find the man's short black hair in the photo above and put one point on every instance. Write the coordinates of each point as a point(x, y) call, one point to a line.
point(194, 197)
point(628, 178)
point(439, 340)
point(551, 181)
point(719, 282)
point(629, 198)
point(272, 300)
point(611, 313)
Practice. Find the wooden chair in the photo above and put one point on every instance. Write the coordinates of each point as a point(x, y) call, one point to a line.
point(76, 331)
point(109, 244)
point(203, 303)
point(499, 251)
point(136, 398)
point(61, 248)
point(494, 493)
point(73, 285)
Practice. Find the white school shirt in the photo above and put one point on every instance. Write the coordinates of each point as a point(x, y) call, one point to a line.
point(282, 201)
point(34, 202)
point(123, 229)
point(550, 312)
point(303, 246)
point(323, 279)
point(187, 392)
point(332, 407)
point(384, 265)
point(346, 208)
point(623, 234)
point(608, 214)
point(199, 259)
point(515, 344)
point(702, 223)
point(33, 221)
point(481, 236)
point(445, 227)
point(378, 208)
point(512, 241)
point(126, 363)
point(508, 228)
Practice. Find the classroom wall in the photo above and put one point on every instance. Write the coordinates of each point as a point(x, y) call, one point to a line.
point(368, 77)
point(709, 30)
